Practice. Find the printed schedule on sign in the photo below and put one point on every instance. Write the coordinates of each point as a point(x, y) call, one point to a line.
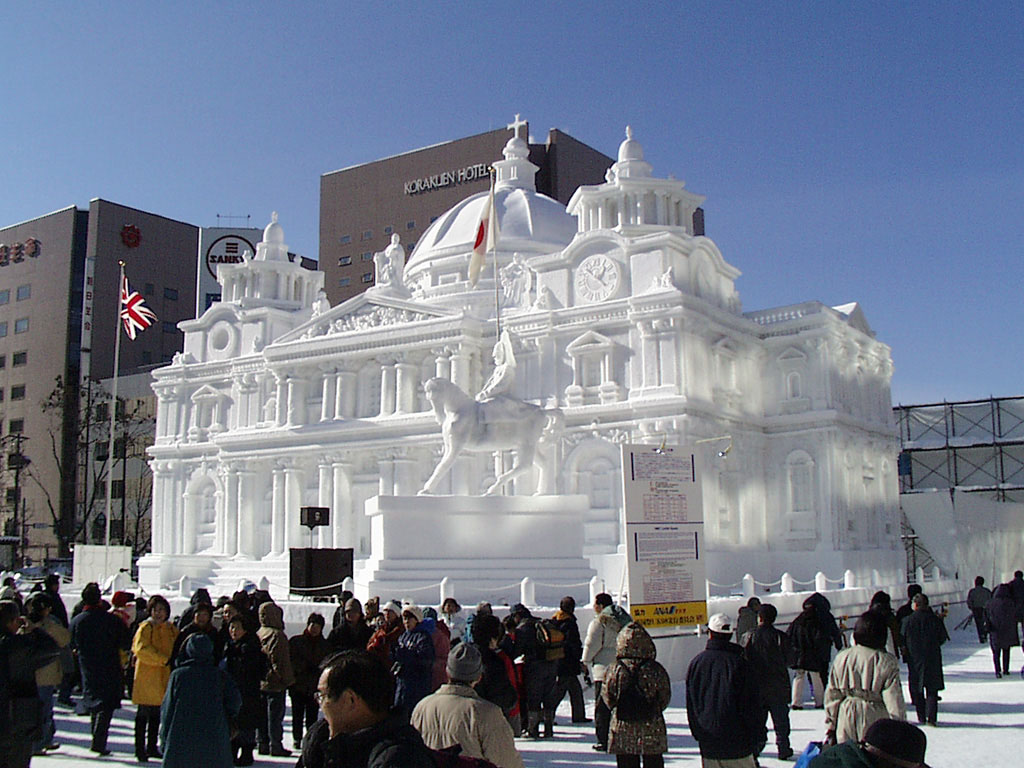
point(664, 530)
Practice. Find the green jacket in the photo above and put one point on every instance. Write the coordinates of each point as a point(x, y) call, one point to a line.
point(846, 755)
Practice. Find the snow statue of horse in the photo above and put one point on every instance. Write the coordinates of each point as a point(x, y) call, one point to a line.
point(495, 424)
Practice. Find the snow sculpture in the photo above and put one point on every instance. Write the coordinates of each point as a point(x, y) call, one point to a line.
point(496, 423)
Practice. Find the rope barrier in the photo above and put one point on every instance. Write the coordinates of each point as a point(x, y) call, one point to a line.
point(768, 583)
point(725, 586)
point(562, 586)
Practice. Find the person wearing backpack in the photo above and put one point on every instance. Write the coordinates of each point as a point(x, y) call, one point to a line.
point(636, 690)
point(534, 642)
point(567, 680)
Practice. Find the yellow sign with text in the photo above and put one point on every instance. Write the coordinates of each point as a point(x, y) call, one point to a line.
point(670, 614)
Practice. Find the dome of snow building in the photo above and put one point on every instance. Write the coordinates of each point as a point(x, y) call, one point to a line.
point(630, 148)
point(529, 223)
point(273, 233)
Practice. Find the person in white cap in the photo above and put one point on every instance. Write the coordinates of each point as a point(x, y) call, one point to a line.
point(456, 715)
point(722, 701)
point(384, 639)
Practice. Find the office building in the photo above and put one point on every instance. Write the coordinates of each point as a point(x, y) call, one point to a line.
point(363, 205)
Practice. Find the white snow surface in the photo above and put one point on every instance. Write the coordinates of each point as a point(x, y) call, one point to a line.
point(981, 722)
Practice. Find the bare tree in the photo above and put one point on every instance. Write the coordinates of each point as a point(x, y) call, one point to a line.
point(91, 424)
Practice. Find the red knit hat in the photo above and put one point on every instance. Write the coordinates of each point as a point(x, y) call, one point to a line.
point(121, 599)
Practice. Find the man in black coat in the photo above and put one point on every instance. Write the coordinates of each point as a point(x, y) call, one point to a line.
point(495, 685)
point(567, 679)
point(977, 599)
point(768, 651)
point(246, 663)
point(539, 673)
point(902, 613)
point(723, 700)
point(1017, 588)
point(812, 634)
point(98, 637)
point(923, 635)
point(359, 727)
point(20, 656)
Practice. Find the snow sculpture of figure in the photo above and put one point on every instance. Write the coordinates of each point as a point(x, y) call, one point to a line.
point(321, 304)
point(390, 263)
point(516, 278)
point(504, 374)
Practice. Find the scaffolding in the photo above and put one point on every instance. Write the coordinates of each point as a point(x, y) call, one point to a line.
point(975, 446)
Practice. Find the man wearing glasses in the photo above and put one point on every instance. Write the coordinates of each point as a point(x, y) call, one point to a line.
point(360, 727)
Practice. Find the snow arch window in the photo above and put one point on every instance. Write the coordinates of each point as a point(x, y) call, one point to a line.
point(592, 358)
point(794, 386)
point(801, 518)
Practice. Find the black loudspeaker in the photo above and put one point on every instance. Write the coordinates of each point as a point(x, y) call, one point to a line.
point(311, 517)
point(318, 571)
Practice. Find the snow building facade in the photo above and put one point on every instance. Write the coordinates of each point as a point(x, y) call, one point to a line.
point(620, 316)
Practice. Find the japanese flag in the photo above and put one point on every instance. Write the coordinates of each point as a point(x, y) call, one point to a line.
point(486, 237)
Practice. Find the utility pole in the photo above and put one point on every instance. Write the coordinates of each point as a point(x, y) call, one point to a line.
point(18, 461)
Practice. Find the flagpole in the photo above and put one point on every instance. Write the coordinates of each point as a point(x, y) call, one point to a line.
point(494, 252)
point(113, 420)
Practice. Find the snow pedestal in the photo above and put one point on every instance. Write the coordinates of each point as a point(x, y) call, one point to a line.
point(484, 546)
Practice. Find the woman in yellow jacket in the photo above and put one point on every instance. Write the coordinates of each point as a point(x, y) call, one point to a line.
point(154, 641)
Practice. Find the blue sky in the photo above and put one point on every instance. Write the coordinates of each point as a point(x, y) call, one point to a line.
point(863, 151)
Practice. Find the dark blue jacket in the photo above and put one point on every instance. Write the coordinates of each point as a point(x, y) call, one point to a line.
point(722, 703)
point(194, 717)
point(98, 637)
point(414, 653)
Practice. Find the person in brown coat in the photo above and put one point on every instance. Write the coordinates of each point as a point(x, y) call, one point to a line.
point(279, 678)
point(637, 689)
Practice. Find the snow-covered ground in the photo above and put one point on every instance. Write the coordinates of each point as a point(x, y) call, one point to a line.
point(981, 722)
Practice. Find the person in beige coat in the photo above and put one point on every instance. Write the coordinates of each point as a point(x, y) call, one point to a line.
point(864, 684)
point(599, 654)
point(39, 606)
point(456, 715)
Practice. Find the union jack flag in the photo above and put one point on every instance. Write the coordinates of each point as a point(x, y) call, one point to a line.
point(135, 315)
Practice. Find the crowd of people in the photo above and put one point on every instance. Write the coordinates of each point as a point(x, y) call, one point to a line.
point(403, 684)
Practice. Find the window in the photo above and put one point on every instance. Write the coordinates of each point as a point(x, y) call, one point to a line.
point(344, 281)
point(171, 293)
point(117, 490)
point(5, 295)
point(346, 239)
point(3, 361)
point(367, 277)
point(410, 225)
point(344, 261)
point(3, 328)
point(366, 256)
point(21, 325)
point(24, 291)
point(18, 392)
point(367, 234)
point(388, 230)
point(15, 425)
point(19, 358)
point(149, 290)
point(169, 326)
point(12, 496)
point(1, 395)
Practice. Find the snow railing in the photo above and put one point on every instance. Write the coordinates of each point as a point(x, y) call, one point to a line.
point(748, 586)
point(446, 588)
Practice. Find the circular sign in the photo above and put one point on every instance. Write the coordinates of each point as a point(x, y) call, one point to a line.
point(226, 250)
point(131, 236)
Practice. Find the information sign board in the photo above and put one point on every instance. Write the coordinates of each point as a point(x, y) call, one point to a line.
point(664, 513)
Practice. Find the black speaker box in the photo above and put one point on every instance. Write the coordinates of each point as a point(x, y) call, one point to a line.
point(318, 572)
point(311, 517)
